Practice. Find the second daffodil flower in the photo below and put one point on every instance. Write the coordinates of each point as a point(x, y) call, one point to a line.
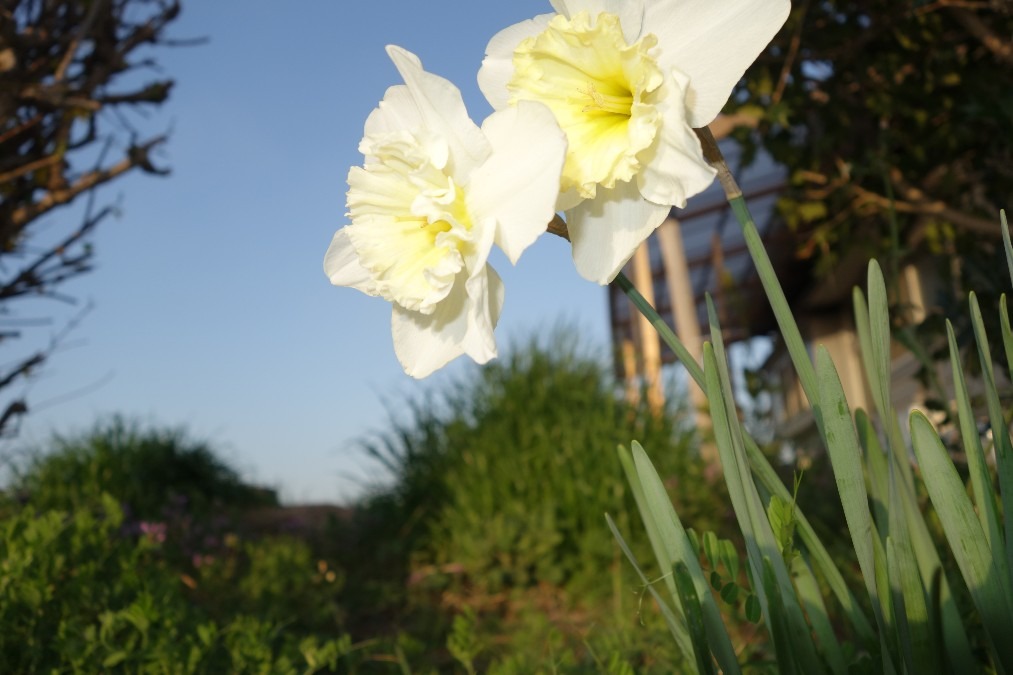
point(627, 81)
point(434, 194)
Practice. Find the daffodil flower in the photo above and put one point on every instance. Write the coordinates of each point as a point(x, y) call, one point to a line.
point(628, 80)
point(434, 194)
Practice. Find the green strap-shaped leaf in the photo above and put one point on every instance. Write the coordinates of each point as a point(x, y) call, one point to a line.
point(1000, 432)
point(846, 459)
point(1006, 242)
point(680, 550)
point(663, 551)
point(694, 617)
point(981, 480)
point(881, 364)
point(825, 563)
point(676, 625)
point(812, 602)
point(748, 507)
point(965, 537)
point(1007, 333)
point(783, 646)
point(912, 620)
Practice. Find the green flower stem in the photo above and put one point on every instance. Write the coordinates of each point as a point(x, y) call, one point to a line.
point(771, 286)
point(666, 334)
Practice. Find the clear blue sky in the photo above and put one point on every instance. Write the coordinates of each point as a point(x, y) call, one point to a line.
point(211, 307)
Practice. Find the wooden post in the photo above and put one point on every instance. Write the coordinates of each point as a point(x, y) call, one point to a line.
point(650, 344)
point(687, 324)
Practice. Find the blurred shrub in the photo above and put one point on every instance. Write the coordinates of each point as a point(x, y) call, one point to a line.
point(150, 470)
point(501, 483)
point(76, 595)
point(530, 469)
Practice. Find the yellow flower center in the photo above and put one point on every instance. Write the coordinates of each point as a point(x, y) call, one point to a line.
point(410, 224)
point(603, 92)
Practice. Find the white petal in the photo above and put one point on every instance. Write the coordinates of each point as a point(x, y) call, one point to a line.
point(461, 324)
point(713, 42)
point(396, 112)
point(341, 265)
point(606, 230)
point(498, 65)
point(518, 185)
point(442, 110)
point(567, 200)
point(674, 166)
point(487, 293)
point(630, 12)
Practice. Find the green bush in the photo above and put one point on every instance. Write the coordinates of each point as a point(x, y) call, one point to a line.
point(150, 470)
point(76, 595)
point(501, 483)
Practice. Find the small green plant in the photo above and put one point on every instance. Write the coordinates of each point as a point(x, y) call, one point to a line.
point(78, 596)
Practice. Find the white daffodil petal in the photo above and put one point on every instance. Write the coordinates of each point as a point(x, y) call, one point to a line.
point(713, 43)
point(341, 265)
point(630, 12)
point(424, 343)
point(498, 64)
point(461, 324)
point(518, 184)
point(603, 92)
point(397, 111)
point(487, 293)
point(442, 110)
point(606, 230)
point(674, 167)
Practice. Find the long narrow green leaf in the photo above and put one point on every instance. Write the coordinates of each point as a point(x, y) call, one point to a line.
point(660, 547)
point(825, 563)
point(846, 459)
point(1007, 333)
point(816, 610)
point(740, 480)
point(981, 481)
point(930, 566)
point(903, 631)
point(1006, 242)
point(694, 617)
point(880, 338)
point(913, 623)
point(783, 647)
point(877, 469)
point(862, 328)
point(676, 625)
point(680, 550)
point(965, 537)
point(1000, 432)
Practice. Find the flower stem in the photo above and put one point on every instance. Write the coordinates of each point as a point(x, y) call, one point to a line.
point(771, 286)
point(666, 333)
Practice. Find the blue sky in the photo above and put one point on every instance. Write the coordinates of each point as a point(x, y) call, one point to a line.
point(211, 307)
